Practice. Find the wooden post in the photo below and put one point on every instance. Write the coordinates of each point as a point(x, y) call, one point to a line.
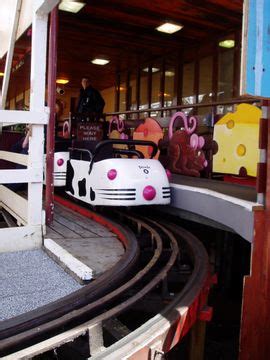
point(197, 341)
point(255, 324)
point(52, 67)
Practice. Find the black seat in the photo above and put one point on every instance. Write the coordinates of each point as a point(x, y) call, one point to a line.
point(105, 153)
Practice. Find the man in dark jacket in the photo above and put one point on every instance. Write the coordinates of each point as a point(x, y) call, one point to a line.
point(90, 100)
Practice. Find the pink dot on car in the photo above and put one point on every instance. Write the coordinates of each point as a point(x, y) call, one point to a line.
point(60, 162)
point(112, 174)
point(149, 192)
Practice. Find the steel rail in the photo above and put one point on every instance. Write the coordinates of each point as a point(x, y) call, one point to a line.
point(13, 340)
point(78, 320)
point(162, 332)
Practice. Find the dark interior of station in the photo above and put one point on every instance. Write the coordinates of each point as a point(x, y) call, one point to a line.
point(196, 69)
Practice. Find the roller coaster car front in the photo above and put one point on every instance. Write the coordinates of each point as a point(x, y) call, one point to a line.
point(116, 174)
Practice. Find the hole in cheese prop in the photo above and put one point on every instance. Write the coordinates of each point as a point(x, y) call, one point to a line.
point(237, 136)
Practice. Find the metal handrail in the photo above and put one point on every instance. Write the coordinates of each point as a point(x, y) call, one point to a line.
point(186, 106)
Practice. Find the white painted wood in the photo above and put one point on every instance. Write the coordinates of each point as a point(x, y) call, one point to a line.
point(28, 212)
point(21, 176)
point(6, 21)
point(20, 238)
point(44, 7)
point(23, 117)
point(14, 157)
point(82, 271)
point(37, 103)
point(248, 205)
point(15, 204)
point(10, 53)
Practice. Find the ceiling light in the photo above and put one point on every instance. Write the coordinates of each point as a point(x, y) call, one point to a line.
point(153, 69)
point(169, 28)
point(62, 81)
point(2, 74)
point(169, 73)
point(100, 61)
point(71, 6)
point(227, 44)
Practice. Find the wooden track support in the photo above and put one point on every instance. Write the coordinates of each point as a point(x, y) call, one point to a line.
point(255, 324)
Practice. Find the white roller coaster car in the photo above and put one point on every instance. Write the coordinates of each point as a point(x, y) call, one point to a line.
point(61, 157)
point(116, 174)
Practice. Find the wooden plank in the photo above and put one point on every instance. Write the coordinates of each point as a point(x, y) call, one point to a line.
point(8, 219)
point(63, 230)
point(21, 176)
point(74, 226)
point(10, 53)
point(14, 204)
point(52, 234)
point(44, 7)
point(255, 322)
point(20, 238)
point(197, 341)
point(68, 262)
point(85, 223)
point(14, 157)
point(23, 117)
point(37, 104)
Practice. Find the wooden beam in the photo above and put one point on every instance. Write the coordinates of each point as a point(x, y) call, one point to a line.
point(178, 82)
point(149, 88)
point(196, 79)
point(44, 7)
point(52, 70)
point(14, 157)
point(37, 104)
point(255, 323)
point(23, 117)
point(117, 91)
point(14, 204)
point(162, 85)
point(236, 64)
point(127, 91)
point(138, 85)
point(10, 53)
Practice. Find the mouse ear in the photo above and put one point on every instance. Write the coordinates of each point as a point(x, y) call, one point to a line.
point(201, 142)
point(194, 141)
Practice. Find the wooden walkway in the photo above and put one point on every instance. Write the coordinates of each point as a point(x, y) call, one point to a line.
point(87, 241)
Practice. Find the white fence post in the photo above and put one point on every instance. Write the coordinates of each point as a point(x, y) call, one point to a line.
point(30, 235)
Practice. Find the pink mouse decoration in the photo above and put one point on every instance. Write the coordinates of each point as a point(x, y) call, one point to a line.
point(185, 147)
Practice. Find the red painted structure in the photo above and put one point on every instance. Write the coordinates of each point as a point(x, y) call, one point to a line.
point(52, 67)
point(255, 327)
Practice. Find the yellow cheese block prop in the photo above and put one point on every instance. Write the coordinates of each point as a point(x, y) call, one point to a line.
point(237, 137)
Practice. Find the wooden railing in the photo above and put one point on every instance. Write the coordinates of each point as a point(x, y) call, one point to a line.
point(28, 212)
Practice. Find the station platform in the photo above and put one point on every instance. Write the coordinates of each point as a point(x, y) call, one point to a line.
point(89, 242)
point(216, 203)
point(30, 279)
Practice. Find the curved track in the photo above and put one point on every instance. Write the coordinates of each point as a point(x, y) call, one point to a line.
point(163, 263)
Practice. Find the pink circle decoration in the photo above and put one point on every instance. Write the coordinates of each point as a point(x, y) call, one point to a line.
point(60, 162)
point(112, 174)
point(149, 192)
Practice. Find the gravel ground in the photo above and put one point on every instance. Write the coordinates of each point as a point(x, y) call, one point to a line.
point(30, 279)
